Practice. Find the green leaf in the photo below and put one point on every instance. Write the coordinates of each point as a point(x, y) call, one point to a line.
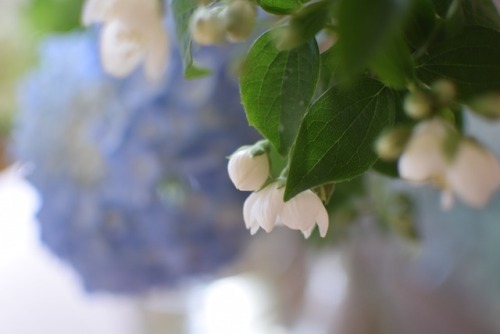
point(442, 7)
point(182, 11)
point(420, 24)
point(335, 140)
point(330, 62)
point(364, 26)
point(277, 86)
point(471, 60)
point(46, 18)
point(394, 65)
point(480, 12)
point(280, 7)
point(387, 168)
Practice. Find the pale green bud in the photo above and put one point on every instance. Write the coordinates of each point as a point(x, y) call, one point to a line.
point(207, 26)
point(391, 143)
point(418, 105)
point(239, 17)
point(445, 91)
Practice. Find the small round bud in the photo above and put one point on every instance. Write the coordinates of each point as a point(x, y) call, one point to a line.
point(287, 37)
point(391, 143)
point(445, 91)
point(207, 27)
point(239, 17)
point(418, 105)
point(247, 171)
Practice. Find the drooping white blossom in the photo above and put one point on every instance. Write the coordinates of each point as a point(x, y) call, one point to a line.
point(266, 208)
point(466, 170)
point(303, 212)
point(132, 34)
point(474, 174)
point(247, 171)
point(262, 208)
point(424, 157)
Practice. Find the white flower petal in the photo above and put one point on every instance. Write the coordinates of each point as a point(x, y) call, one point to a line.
point(322, 220)
point(474, 175)
point(307, 233)
point(248, 206)
point(268, 205)
point(97, 11)
point(158, 50)
point(121, 49)
point(303, 211)
point(423, 158)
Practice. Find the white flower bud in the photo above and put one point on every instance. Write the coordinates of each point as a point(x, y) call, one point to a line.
point(248, 172)
point(424, 156)
point(207, 26)
point(474, 175)
point(417, 105)
point(239, 17)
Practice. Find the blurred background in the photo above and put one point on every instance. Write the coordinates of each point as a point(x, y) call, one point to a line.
point(117, 215)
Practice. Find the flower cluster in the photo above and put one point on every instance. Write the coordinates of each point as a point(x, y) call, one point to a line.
point(231, 22)
point(132, 175)
point(461, 166)
point(132, 33)
point(435, 151)
point(249, 170)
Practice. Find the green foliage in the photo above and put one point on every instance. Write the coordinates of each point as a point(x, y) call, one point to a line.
point(45, 15)
point(280, 7)
point(335, 140)
point(364, 28)
point(360, 62)
point(277, 86)
point(471, 60)
point(393, 64)
point(182, 10)
point(304, 25)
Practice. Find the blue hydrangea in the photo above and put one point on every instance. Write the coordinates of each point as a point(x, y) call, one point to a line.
point(132, 176)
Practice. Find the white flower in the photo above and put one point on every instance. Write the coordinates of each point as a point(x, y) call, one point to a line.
point(468, 170)
point(262, 208)
point(266, 208)
point(132, 34)
point(474, 174)
point(303, 212)
point(248, 171)
point(424, 158)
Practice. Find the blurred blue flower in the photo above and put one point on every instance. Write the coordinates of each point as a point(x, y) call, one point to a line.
point(132, 176)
